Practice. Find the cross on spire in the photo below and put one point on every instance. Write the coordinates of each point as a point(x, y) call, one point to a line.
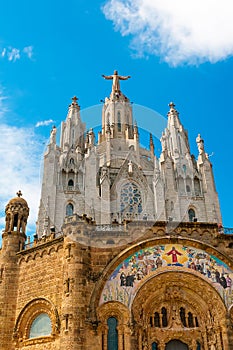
point(74, 99)
point(19, 193)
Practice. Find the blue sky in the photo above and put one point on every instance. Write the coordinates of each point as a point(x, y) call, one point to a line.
point(174, 51)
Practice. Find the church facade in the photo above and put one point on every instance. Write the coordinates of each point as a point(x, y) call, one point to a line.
point(129, 252)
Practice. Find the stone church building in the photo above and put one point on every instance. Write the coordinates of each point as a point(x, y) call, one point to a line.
point(129, 252)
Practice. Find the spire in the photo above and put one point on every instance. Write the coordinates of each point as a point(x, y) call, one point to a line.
point(173, 116)
point(73, 128)
point(152, 147)
point(175, 137)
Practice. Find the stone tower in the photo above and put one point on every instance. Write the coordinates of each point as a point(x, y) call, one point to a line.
point(13, 240)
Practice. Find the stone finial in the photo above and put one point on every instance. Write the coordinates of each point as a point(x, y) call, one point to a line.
point(75, 100)
point(172, 105)
point(172, 108)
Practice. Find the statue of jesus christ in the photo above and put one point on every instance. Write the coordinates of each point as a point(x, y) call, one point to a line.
point(115, 80)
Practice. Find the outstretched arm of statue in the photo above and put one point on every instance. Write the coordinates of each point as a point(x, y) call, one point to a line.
point(108, 77)
point(124, 78)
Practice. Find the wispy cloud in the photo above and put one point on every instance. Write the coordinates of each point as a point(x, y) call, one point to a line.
point(13, 54)
point(44, 122)
point(28, 50)
point(180, 32)
point(20, 157)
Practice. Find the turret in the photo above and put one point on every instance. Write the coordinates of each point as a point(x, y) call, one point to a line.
point(17, 212)
point(13, 240)
point(72, 130)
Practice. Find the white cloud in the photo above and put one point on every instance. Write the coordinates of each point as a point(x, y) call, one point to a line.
point(20, 158)
point(13, 54)
point(20, 166)
point(180, 31)
point(3, 53)
point(28, 50)
point(44, 122)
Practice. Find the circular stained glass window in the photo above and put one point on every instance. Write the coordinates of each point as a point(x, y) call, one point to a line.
point(131, 200)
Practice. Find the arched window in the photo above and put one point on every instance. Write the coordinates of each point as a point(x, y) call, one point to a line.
point(41, 326)
point(182, 316)
point(69, 209)
point(190, 320)
point(156, 319)
point(198, 346)
point(112, 333)
point(70, 183)
point(131, 200)
point(197, 186)
point(15, 220)
point(119, 121)
point(154, 346)
point(191, 214)
point(71, 160)
point(164, 317)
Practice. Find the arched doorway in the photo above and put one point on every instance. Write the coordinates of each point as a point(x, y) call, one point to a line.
point(176, 345)
point(176, 312)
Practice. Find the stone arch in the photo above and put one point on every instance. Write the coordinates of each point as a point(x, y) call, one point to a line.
point(51, 251)
point(29, 313)
point(44, 252)
point(59, 247)
point(171, 289)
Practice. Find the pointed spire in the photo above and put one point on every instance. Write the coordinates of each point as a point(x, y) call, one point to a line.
point(152, 147)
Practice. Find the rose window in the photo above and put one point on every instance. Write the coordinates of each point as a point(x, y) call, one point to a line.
point(131, 200)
